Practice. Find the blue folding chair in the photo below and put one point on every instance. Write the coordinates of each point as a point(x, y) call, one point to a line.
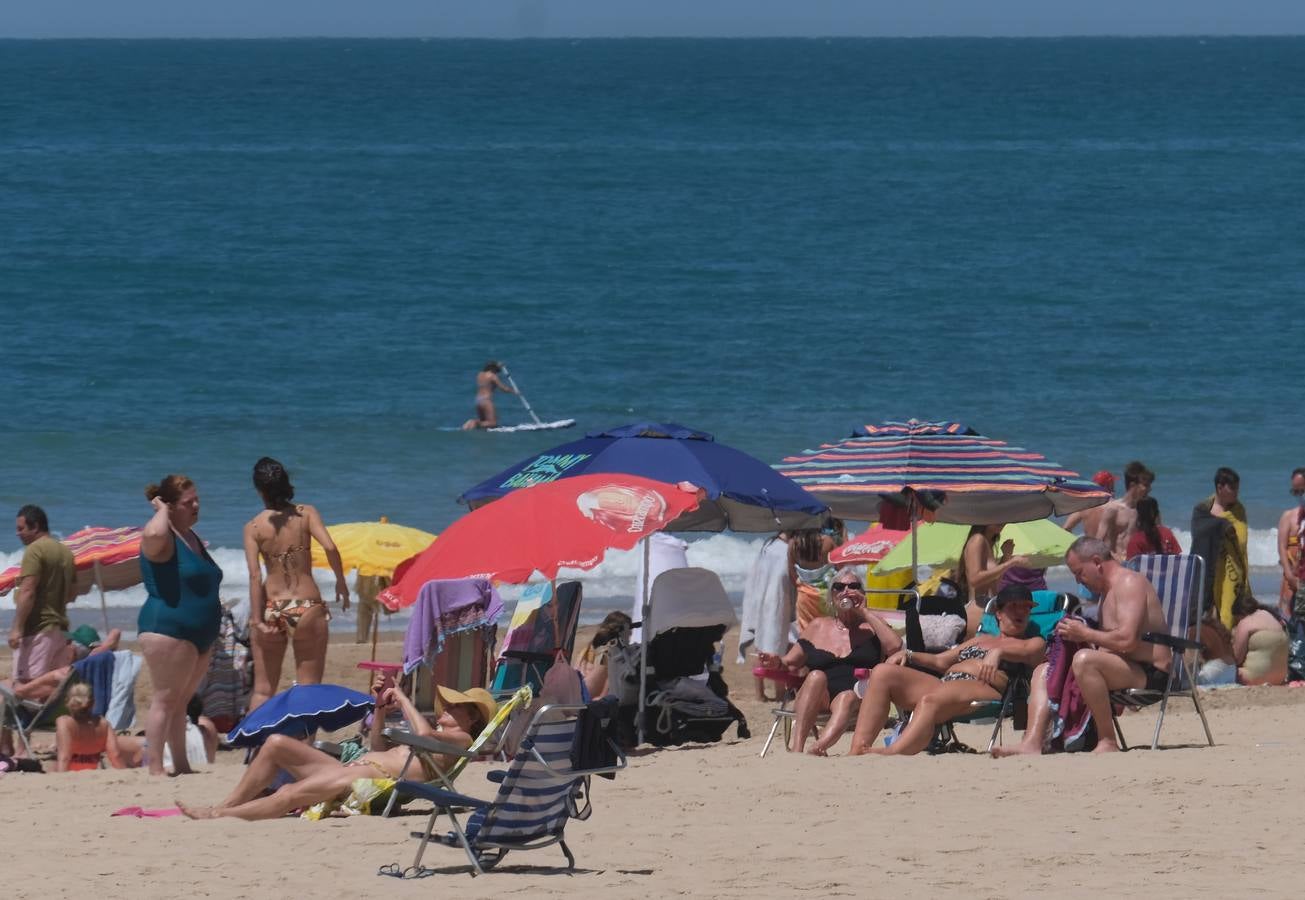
point(1179, 582)
point(538, 794)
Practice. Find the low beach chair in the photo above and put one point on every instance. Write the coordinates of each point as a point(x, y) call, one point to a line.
point(1048, 609)
point(536, 798)
point(425, 749)
point(1179, 583)
point(25, 716)
point(542, 625)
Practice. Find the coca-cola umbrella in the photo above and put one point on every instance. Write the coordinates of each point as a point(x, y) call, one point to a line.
point(570, 523)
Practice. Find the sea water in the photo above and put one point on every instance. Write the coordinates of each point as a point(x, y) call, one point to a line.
point(216, 250)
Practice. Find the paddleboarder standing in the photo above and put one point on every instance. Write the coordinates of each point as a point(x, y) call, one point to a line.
point(487, 381)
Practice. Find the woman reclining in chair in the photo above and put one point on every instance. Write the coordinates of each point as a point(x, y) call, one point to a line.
point(831, 649)
point(319, 777)
point(970, 671)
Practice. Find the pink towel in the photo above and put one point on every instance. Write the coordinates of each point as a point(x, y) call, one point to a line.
point(147, 813)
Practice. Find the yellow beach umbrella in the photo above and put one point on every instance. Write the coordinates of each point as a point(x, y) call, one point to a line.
point(373, 548)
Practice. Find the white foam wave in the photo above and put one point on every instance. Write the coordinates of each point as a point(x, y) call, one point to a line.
point(728, 555)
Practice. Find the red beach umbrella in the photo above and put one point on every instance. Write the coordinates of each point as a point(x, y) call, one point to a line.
point(570, 523)
point(868, 547)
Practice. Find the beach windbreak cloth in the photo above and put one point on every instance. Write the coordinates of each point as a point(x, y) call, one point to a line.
point(984, 480)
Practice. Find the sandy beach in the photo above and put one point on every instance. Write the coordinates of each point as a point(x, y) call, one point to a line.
point(717, 821)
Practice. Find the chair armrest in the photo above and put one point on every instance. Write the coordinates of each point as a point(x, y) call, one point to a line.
point(781, 675)
point(330, 748)
point(439, 796)
point(429, 745)
point(1170, 641)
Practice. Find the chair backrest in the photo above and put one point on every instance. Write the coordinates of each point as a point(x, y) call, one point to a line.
point(533, 797)
point(543, 622)
point(1179, 582)
point(1048, 609)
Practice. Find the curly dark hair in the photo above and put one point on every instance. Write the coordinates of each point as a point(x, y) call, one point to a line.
point(273, 482)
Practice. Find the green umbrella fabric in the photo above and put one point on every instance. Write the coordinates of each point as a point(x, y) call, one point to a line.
point(1042, 541)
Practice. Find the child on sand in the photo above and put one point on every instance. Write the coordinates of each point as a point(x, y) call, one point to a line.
point(83, 739)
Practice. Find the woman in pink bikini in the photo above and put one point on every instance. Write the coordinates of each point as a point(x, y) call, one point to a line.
point(286, 608)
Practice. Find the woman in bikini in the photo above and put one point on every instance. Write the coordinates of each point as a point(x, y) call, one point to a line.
point(487, 381)
point(970, 671)
point(831, 649)
point(286, 608)
point(320, 778)
point(83, 739)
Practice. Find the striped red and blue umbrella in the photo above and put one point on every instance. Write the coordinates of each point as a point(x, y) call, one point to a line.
point(984, 480)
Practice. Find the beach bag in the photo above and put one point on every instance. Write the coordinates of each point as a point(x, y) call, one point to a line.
point(685, 709)
point(562, 685)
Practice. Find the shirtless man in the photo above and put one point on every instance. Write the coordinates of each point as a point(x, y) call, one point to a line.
point(1119, 517)
point(1090, 518)
point(487, 381)
point(1291, 599)
point(319, 777)
point(1118, 657)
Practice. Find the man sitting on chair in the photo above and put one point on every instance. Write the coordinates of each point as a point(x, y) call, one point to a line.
point(320, 777)
point(1116, 657)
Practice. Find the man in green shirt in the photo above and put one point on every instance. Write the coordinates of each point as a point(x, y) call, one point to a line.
point(47, 583)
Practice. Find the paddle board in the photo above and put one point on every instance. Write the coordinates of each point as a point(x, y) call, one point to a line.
point(534, 426)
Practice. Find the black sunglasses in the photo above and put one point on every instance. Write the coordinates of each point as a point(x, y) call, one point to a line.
point(840, 586)
point(1298, 492)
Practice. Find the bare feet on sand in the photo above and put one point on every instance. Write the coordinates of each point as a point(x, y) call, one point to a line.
point(198, 812)
point(1106, 747)
point(1017, 750)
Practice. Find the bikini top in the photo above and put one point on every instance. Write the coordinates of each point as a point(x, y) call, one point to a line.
point(972, 652)
point(286, 558)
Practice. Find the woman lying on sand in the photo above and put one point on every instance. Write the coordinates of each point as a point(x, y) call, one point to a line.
point(971, 673)
point(320, 778)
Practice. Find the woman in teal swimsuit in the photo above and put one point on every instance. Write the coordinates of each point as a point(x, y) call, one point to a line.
point(179, 621)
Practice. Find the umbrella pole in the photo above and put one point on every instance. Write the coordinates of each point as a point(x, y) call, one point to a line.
point(104, 604)
point(376, 625)
point(644, 638)
point(915, 542)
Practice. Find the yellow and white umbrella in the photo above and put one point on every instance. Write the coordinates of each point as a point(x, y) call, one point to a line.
point(373, 548)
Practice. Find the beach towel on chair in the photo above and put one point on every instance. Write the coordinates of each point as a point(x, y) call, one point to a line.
point(1072, 728)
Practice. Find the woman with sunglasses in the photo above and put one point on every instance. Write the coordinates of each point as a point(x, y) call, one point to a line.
point(830, 650)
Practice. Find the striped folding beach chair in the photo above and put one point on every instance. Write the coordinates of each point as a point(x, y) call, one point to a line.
point(1179, 583)
point(536, 798)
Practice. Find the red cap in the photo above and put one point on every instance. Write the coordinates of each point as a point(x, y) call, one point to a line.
point(1105, 480)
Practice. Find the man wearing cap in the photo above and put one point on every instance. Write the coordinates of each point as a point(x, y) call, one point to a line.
point(1090, 518)
point(1119, 517)
point(47, 583)
point(322, 778)
point(1115, 656)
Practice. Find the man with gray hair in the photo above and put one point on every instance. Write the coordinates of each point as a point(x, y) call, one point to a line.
point(1114, 656)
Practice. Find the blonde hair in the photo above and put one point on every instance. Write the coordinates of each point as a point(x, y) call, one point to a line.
point(170, 489)
point(79, 700)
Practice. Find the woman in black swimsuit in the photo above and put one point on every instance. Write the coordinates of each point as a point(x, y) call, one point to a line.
point(970, 671)
point(831, 649)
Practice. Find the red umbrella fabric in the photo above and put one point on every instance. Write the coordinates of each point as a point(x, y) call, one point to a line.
point(570, 523)
point(868, 547)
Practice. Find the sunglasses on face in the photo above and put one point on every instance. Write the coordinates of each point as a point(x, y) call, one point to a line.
point(840, 586)
point(1298, 492)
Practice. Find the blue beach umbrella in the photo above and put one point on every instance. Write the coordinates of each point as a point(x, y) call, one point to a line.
point(743, 493)
point(302, 709)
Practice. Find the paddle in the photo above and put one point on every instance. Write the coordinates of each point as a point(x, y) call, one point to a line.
point(524, 401)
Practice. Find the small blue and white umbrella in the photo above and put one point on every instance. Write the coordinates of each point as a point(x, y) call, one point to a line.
point(301, 710)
